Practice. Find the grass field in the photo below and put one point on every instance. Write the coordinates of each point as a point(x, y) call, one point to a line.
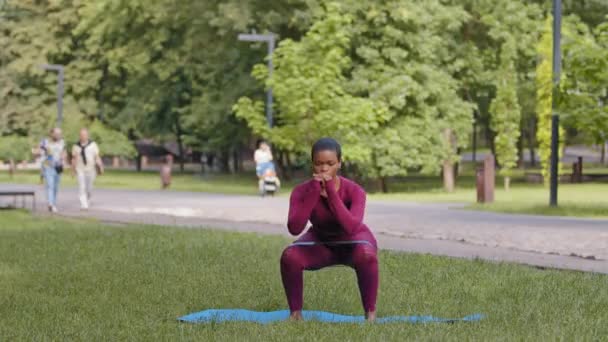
point(149, 180)
point(83, 280)
point(582, 200)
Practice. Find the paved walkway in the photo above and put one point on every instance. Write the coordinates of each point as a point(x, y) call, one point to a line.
point(442, 229)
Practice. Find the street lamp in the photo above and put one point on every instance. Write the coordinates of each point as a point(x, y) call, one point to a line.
point(59, 69)
point(557, 59)
point(269, 38)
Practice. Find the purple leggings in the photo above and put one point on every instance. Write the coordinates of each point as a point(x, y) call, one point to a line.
point(310, 254)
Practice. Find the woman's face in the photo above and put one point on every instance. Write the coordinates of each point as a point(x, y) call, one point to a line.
point(326, 162)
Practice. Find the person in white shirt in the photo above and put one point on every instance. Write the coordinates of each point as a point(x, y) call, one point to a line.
point(263, 159)
point(263, 163)
point(86, 163)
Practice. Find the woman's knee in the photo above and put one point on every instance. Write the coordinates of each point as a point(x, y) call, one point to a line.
point(364, 255)
point(291, 258)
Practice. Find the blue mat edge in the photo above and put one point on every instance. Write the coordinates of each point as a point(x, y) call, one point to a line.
point(265, 317)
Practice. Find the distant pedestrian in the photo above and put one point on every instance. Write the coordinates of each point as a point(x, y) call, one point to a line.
point(263, 159)
point(165, 171)
point(86, 164)
point(53, 157)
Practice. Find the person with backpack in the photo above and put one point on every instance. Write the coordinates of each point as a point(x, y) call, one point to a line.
point(51, 152)
point(86, 164)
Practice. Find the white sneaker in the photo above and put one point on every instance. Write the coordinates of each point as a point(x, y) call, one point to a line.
point(54, 209)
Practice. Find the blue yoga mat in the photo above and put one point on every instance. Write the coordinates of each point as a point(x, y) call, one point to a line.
point(241, 315)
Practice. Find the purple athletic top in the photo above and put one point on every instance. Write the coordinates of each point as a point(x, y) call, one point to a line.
point(337, 217)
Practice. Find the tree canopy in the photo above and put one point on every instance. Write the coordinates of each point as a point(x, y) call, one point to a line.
point(397, 81)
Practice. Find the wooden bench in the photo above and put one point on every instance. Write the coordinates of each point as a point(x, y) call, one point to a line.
point(20, 193)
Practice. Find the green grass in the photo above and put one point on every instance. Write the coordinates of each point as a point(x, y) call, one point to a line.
point(578, 200)
point(148, 180)
point(581, 200)
point(83, 280)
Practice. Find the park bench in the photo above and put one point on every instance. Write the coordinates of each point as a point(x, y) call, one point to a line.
point(20, 193)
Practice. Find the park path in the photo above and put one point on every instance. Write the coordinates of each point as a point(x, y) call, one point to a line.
point(444, 229)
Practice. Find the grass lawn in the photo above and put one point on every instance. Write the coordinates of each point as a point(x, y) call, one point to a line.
point(149, 180)
point(83, 280)
point(583, 200)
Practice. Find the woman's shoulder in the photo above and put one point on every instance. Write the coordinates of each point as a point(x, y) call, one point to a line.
point(351, 185)
point(306, 187)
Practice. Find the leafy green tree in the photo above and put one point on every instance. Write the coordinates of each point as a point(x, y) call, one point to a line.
point(404, 58)
point(491, 25)
point(506, 113)
point(14, 149)
point(585, 84)
point(544, 96)
point(311, 99)
point(40, 32)
point(176, 85)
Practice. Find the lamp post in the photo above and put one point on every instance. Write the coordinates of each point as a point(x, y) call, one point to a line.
point(270, 39)
point(557, 24)
point(60, 74)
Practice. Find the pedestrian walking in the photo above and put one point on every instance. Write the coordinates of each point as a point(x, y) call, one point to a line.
point(86, 165)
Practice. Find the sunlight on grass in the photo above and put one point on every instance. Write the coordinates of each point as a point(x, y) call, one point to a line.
point(245, 184)
point(81, 280)
point(584, 200)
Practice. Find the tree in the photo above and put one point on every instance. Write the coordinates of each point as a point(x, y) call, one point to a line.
point(40, 32)
point(176, 85)
point(591, 12)
point(311, 99)
point(544, 96)
point(585, 84)
point(403, 56)
point(506, 114)
point(14, 149)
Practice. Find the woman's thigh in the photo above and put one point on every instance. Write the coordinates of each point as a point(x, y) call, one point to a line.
point(310, 258)
point(311, 253)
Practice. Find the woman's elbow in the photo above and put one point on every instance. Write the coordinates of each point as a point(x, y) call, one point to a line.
point(295, 228)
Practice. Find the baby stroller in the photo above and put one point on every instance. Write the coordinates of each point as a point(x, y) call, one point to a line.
point(269, 183)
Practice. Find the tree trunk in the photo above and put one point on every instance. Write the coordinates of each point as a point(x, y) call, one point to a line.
point(290, 171)
point(383, 183)
point(235, 161)
point(520, 152)
point(448, 165)
point(448, 176)
point(531, 141)
point(281, 164)
point(532, 155)
point(490, 140)
point(138, 162)
point(210, 160)
point(457, 165)
point(475, 140)
point(507, 183)
point(180, 145)
point(11, 168)
point(225, 162)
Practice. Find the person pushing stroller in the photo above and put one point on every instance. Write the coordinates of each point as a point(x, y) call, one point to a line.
point(268, 182)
